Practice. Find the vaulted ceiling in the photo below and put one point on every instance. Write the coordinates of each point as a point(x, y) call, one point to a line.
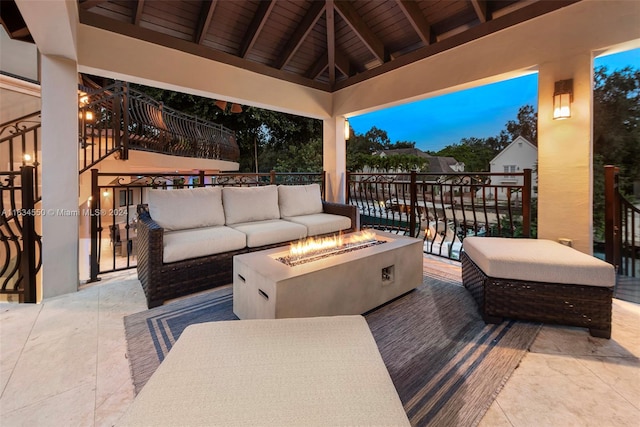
point(325, 44)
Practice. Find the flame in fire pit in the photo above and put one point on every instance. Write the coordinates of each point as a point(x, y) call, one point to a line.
point(312, 245)
point(313, 248)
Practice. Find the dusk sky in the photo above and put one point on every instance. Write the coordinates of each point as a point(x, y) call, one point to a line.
point(480, 112)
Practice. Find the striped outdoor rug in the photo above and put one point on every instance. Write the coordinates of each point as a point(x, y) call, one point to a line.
point(447, 365)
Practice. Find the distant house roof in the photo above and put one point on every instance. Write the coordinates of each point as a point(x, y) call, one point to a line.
point(518, 140)
point(437, 164)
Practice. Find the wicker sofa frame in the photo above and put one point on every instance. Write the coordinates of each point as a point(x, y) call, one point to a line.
point(559, 303)
point(162, 282)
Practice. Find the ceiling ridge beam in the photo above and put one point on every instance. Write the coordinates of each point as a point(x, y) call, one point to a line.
point(331, 41)
point(258, 22)
point(414, 15)
point(300, 34)
point(362, 30)
point(480, 6)
point(137, 12)
point(205, 16)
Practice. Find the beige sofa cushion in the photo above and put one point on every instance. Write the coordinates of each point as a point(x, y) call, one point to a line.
point(295, 200)
point(186, 208)
point(197, 242)
point(537, 260)
point(247, 204)
point(260, 233)
point(322, 223)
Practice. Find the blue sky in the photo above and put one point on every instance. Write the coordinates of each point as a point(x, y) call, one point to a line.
point(480, 112)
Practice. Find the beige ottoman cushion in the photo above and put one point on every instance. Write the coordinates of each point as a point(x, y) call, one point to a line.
point(537, 260)
point(323, 371)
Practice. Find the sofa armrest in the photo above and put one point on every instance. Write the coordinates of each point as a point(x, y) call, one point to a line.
point(149, 251)
point(344, 210)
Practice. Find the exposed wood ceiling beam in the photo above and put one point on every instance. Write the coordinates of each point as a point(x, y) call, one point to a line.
point(364, 33)
point(480, 6)
point(137, 16)
point(259, 19)
point(300, 34)
point(342, 63)
point(171, 42)
point(523, 14)
point(415, 17)
point(318, 66)
point(88, 4)
point(331, 41)
point(21, 33)
point(13, 23)
point(206, 13)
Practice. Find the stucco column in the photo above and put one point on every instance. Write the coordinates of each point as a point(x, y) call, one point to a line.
point(565, 154)
point(59, 78)
point(334, 157)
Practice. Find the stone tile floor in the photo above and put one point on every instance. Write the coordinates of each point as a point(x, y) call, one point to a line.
point(64, 363)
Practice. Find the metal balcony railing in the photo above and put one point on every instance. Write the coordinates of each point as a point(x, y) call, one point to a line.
point(443, 209)
point(20, 244)
point(622, 237)
point(118, 118)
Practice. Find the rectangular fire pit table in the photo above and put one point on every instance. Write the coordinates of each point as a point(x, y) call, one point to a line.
point(353, 282)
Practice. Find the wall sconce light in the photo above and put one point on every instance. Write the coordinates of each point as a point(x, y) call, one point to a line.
point(105, 193)
point(88, 115)
point(347, 130)
point(562, 98)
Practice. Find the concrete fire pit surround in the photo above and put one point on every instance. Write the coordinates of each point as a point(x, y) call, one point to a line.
point(349, 283)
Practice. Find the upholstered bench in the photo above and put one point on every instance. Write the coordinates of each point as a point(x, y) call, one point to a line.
point(321, 371)
point(538, 280)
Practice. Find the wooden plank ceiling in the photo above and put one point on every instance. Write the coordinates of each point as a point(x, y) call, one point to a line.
point(327, 44)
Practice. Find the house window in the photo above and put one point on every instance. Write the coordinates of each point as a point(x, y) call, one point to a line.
point(509, 169)
point(124, 200)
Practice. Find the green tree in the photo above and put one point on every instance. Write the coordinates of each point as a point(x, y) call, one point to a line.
point(616, 111)
point(616, 134)
point(475, 153)
point(302, 157)
point(525, 125)
point(378, 138)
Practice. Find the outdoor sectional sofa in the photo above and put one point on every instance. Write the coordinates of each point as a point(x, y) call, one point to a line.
point(187, 238)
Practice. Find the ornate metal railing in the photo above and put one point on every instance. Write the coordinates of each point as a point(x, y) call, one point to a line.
point(117, 118)
point(20, 245)
point(20, 145)
point(115, 196)
point(155, 127)
point(443, 210)
point(100, 117)
point(622, 228)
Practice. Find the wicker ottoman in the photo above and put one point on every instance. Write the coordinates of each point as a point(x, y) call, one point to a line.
point(320, 371)
point(538, 280)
